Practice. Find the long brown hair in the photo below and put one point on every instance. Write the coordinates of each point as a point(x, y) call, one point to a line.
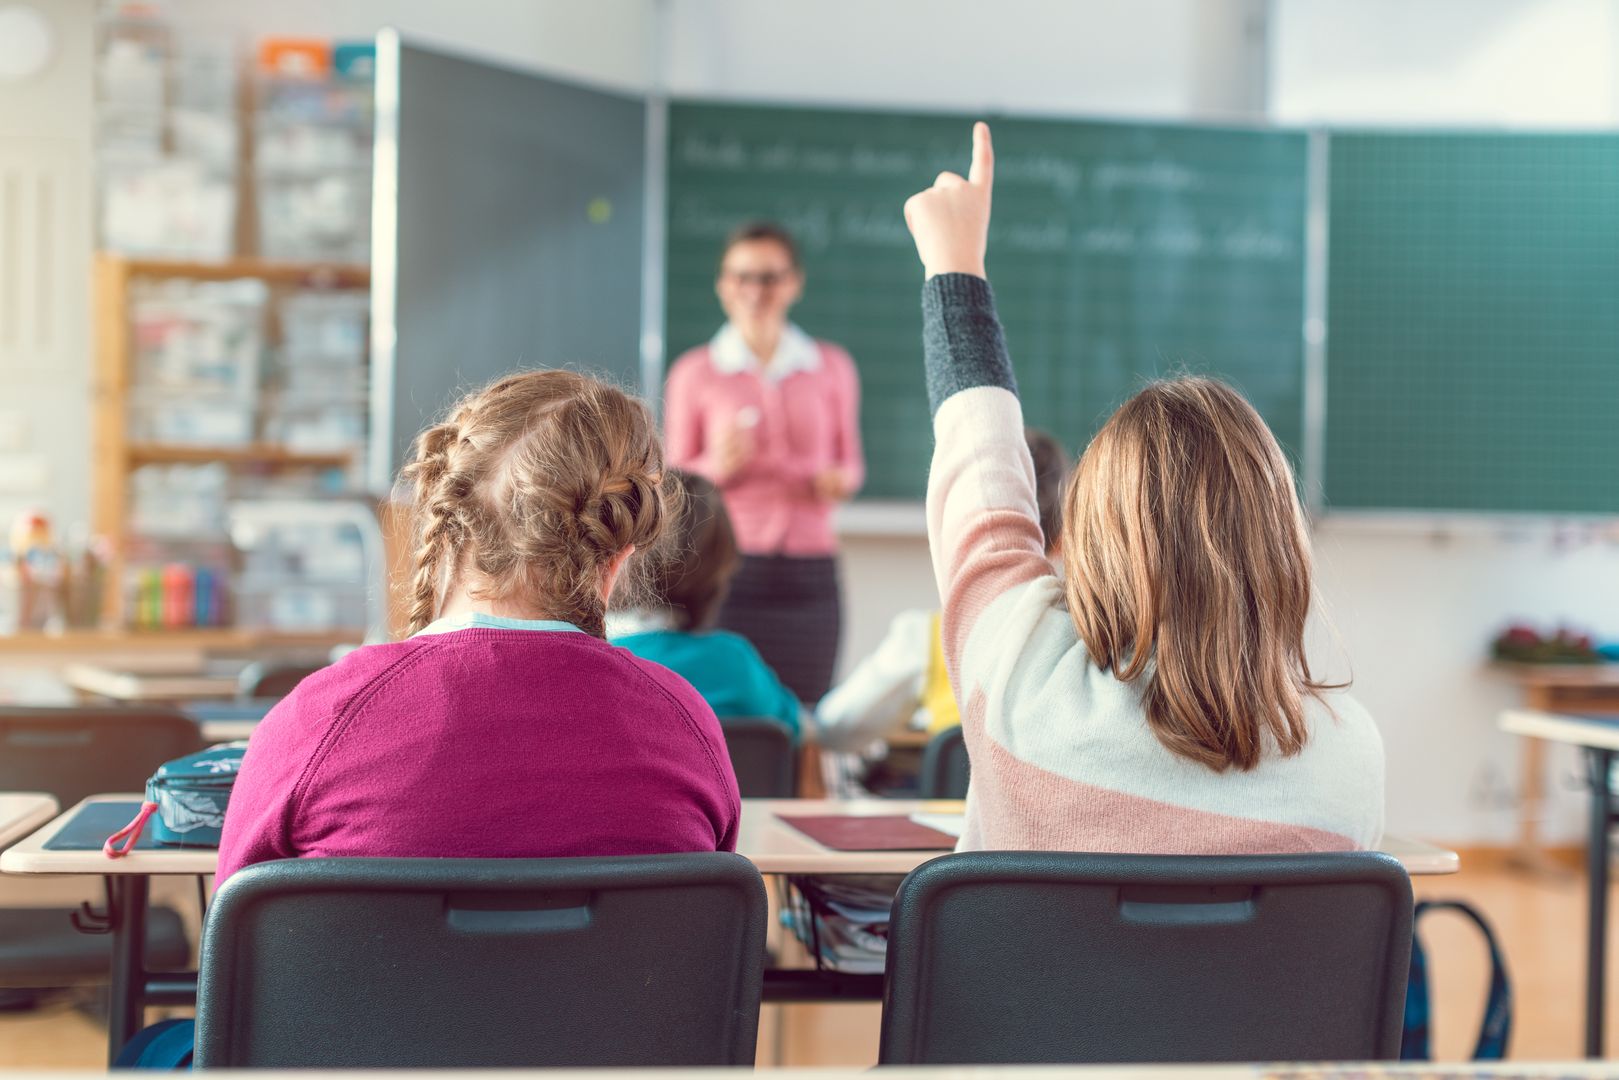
point(530, 489)
point(1188, 566)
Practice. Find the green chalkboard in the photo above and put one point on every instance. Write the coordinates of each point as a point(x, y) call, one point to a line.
point(1118, 252)
point(1473, 323)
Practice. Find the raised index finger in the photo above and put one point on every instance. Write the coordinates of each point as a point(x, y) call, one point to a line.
point(983, 166)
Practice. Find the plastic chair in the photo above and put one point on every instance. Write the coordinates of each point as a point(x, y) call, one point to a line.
point(72, 752)
point(1063, 958)
point(260, 680)
point(945, 768)
point(763, 756)
point(461, 963)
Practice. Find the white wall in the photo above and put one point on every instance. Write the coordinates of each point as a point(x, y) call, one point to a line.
point(1168, 58)
point(603, 41)
point(1512, 63)
point(1414, 610)
point(45, 278)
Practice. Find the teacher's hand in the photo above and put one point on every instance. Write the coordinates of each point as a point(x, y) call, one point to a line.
point(831, 485)
point(734, 451)
point(950, 220)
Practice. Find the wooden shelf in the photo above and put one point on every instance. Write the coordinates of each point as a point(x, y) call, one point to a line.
point(324, 275)
point(195, 640)
point(114, 454)
point(255, 454)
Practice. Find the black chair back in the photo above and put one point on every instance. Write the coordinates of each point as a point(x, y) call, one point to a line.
point(945, 768)
point(75, 751)
point(272, 680)
point(1063, 958)
point(462, 963)
point(763, 755)
point(72, 752)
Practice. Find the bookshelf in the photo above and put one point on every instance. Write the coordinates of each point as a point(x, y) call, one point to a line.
point(116, 454)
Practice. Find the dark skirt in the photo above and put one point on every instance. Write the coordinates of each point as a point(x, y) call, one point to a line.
point(791, 609)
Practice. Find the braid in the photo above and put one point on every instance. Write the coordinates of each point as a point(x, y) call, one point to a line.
point(438, 523)
point(531, 489)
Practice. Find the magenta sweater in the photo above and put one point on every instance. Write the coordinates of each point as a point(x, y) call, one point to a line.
point(484, 743)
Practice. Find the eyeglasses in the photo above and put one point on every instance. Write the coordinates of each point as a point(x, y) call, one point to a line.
point(765, 279)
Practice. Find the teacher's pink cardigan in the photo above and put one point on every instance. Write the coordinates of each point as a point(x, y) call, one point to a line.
point(805, 417)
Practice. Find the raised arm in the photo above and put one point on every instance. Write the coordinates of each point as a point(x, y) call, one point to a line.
point(983, 520)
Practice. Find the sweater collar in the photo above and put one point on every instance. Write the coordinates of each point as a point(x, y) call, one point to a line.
point(797, 351)
point(477, 620)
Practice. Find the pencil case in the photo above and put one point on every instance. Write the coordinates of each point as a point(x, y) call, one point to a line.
point(191, 794)
point(185, 801)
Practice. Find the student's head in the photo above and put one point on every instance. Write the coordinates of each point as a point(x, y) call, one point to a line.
point(1050, 479)
point(760, 277)
point(532, 494)
point(1188, 565)
point(693, 569)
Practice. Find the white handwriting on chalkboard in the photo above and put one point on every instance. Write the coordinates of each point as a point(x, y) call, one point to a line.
point(1177, 239)
point(1248, 240)
point(1156, 175)
point(1061, 174)
point(1108, 240)
point(868, 161)
point(723, 154)
point(873, 227)
point(695, 218)
point(734, 154)
point(1035, 237)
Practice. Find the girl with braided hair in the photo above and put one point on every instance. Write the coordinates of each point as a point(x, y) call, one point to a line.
point(505, 724)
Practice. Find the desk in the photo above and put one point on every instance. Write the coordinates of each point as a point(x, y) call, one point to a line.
point(1599, 736)
point(21, 812)
point(1564, 689)
point(228, 719)
point(772, 845)
point(156, 682)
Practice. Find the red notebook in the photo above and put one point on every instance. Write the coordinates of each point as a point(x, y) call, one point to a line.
point(882, 832)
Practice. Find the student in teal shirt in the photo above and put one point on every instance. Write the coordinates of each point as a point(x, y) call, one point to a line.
point(686, 582)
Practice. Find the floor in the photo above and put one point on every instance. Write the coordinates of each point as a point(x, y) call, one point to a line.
point(1540, 922)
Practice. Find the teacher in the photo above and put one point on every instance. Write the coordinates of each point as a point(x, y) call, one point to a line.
point(772, 417)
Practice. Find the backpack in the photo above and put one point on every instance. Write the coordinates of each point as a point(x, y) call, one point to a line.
point(166, 1045)
point(1496, 1027)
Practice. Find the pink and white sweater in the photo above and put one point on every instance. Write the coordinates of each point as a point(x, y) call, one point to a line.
point(1062, 755)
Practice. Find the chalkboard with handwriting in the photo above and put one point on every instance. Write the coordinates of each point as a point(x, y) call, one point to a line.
point(1118, 252)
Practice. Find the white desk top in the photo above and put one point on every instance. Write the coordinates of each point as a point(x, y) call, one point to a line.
point(770, 843)
point(21, 812)
point(1579, 730)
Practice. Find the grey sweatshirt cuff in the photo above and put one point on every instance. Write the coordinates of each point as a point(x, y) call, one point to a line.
point(962, 344)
